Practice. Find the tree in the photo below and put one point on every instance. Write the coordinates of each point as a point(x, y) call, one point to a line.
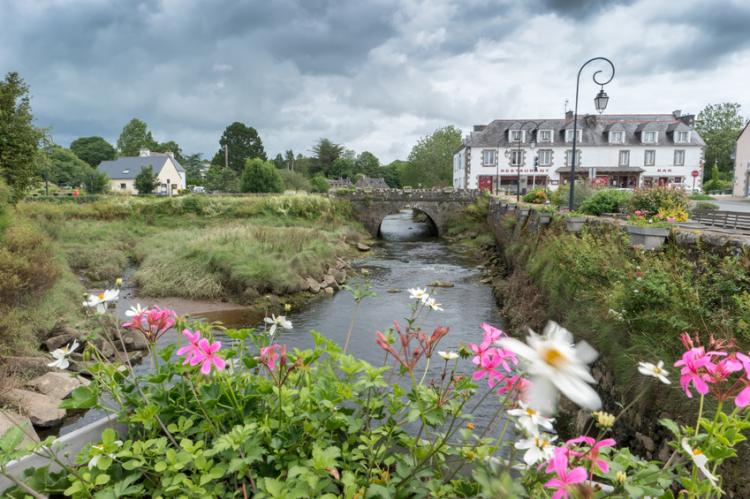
point(278, 161)
point(145, 181)
point(19, 138)
point(63, 168)
point(326, 152)
point(342, 168)
point(96, 182)
point(93, 150)
point(719, 125)
point(430, 161)
point(244, 143)
point(289, 159)
point(319, 184)
point(294, 181)
point(193, 164)
point(172, 147)
point(260, 176)
point(219, 178)
point(134, 137)
point(392, 173)
point(368, 164)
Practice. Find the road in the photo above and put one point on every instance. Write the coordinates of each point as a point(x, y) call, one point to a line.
point(728, 203)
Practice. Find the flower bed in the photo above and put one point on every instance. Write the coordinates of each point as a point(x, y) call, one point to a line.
point(245, 417)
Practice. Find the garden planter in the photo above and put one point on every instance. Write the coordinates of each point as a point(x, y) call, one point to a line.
point(647, 237)
point(544, 218)
point(67, 446)
point(522, 213)
point(575, 224)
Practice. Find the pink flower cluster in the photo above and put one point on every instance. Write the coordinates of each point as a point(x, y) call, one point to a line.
point(272, 354)
point(496, 363)
point(409, 354)
point(151, 322)
point(584, 449)
point(200, 351)
point(721, 371)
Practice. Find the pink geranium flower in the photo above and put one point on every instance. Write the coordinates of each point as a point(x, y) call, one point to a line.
point(270, 355)
point(743, 397)
point(206, 356)
point(696, 365)
point(488, 367)
point(593, 453)
point(191, 349)
point(151, 322)
point(564, 478)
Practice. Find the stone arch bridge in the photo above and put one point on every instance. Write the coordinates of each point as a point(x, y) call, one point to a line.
point(372, 206)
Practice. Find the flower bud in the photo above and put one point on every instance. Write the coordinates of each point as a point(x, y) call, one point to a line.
point(604, 419)
point(621, 477)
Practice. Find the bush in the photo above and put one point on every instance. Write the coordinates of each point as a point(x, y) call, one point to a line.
point(537, 196)
point(295, 181)
point(716, 185)
point(560, 196)
point(705, 205)
point(319, 184)
point(145, 181)
point(27, 264)
point(260, 176)
point(652, 201)
point(605, 201)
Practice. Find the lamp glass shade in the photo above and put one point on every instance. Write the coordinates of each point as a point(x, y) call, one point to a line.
point(601, 100)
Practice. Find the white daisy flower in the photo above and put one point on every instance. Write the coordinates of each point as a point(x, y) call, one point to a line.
point(61, 355)
point(530, 419)
point(657, 371)
point(277, 321)
point(135, 311)
point(700, 460)
point(418, 294)
point(556, 364)
point(433, 305)
point(538, 447)
point(448, 355)
point(101, 300)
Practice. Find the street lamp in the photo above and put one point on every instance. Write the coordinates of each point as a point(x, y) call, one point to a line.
point(600, 102)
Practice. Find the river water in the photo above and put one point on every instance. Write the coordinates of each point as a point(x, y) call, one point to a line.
point(406, 257)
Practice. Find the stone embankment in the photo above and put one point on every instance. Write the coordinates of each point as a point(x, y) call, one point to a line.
point(332, 280)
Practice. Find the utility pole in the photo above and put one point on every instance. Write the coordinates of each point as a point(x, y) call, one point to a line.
point(226, 156)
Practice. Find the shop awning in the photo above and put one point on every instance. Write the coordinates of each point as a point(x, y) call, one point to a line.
point(602, 170)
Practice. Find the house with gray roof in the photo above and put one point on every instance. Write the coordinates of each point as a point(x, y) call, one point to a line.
point(122, 172)
point(616, 150)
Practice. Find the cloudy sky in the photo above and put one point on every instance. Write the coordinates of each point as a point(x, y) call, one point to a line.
point(373, 75)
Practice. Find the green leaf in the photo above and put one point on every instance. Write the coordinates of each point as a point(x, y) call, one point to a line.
point(328, 458)
point(83, 397)
point(671, 426)
point(102, 479)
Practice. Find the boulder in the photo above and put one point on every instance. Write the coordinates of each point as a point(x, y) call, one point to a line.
point(339, 275)
point(133, 341)
point(363, 247)
point(10, 419)
point(329, 291)
point(393, 290)
point(61, 340)
point(134, 357)
point(42, 410)
point(312, 285)
point(328, 280)
point(57, 385)
point(441, 284)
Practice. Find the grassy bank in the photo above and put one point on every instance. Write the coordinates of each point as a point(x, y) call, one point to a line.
point(223, 248)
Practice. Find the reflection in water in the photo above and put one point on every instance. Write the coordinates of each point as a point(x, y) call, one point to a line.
point(399, 264)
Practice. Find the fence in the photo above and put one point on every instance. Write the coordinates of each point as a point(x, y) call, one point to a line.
point(727, 219)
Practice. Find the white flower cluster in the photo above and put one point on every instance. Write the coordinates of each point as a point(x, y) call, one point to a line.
point(423, 296)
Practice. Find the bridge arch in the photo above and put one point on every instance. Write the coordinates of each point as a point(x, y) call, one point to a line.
point(415, 210)
point(372, 206)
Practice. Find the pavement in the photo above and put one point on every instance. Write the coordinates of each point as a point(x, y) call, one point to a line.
point(729, 203)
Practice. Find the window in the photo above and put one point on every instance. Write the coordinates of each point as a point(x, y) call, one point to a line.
point(122, 186)
point(545, 136)
point(682, 137)
point(126, 171)
point(569, 135)
point(516, 157)
point(569, 157)
point(679, 157)
point(545, 157)
point(616, 137)
point(516, 135)
point(650, 137)
point(649, 158)
point(488, 157)
point(624, 158)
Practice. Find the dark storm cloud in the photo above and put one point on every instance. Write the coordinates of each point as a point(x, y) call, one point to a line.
point(581, 8)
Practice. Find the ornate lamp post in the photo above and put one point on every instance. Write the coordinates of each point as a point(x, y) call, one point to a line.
point(600, 101)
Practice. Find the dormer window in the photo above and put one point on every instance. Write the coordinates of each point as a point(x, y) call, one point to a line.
point(517, 135)
point(569, 135)
point(544, 136)
point(617, 137)
point(650, 137)
point(682, 137)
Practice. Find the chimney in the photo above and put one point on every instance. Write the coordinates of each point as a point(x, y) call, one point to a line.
point(170, 154)
point(677, 113)
point(568, 115)
point(144, 153)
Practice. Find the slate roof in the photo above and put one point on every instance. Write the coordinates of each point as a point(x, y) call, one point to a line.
point(594, 130)
point(128, 167)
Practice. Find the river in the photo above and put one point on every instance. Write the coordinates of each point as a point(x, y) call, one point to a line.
point(407, 256)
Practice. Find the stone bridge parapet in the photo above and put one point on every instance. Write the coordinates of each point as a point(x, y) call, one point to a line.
point(371, 206)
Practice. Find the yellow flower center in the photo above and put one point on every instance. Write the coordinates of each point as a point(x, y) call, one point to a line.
point(100, 296)
point(553, 357)
point(530, 411)
point(697, 452)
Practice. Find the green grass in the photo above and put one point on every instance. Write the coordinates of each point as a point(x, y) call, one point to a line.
point(701, 197)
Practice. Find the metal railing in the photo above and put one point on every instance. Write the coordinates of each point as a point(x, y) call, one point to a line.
point(726, 219)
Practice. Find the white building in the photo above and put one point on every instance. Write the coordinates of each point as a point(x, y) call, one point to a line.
point(122, 172)
point(639, 150)
point(741, 185)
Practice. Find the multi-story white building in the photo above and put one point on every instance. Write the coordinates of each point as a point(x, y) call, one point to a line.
point(639, 150)
point(741, 185)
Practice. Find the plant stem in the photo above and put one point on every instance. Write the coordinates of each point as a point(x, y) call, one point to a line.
point(426, 368)
point(351, 326)
point(21, 485)
point(700, 415)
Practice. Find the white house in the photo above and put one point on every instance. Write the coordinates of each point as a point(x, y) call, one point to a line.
point(122, 172)
point(741, 185)
point(638, 150)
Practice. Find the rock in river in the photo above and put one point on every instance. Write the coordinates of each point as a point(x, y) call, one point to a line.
point(9, 419)
point(57, 385)
point(363, 247)
point(42, 410)
point(441, 284)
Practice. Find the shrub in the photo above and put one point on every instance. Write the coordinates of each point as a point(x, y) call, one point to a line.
point(145, 181)
point(705, 205)
point(260, 176)
point(319, 184)
point(560, 196)
point(651, 201)
point(537, 196)
point(716, 184)
point(27, 264)
point(295, 181)
point(605, 201)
